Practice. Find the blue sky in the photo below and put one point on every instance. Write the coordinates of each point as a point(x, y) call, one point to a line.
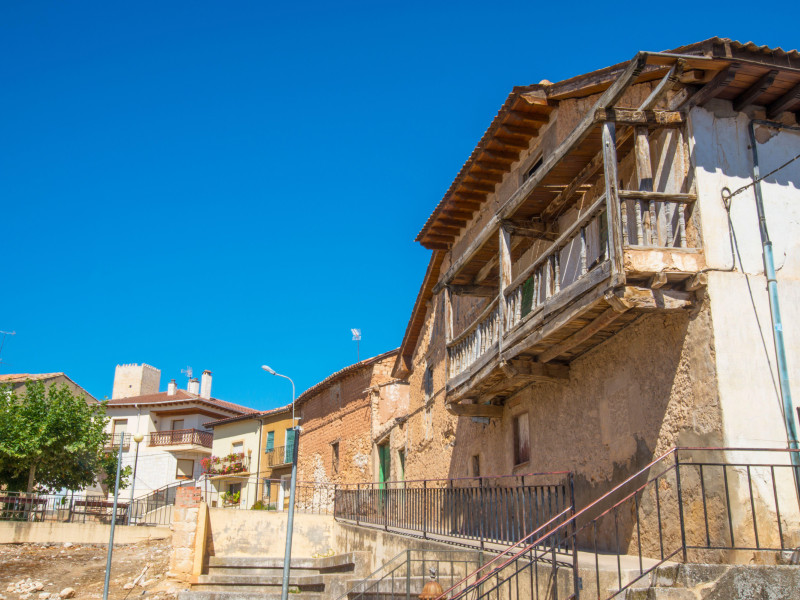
point(224, 185)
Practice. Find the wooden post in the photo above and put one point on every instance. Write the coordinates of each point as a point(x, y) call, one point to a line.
point(644, 175)
point(612, 201)
point(504, 263)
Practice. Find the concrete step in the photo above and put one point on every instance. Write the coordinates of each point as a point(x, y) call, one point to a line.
point(659, 593)
point(244, 595)
point(248, 579)
point(326, 564)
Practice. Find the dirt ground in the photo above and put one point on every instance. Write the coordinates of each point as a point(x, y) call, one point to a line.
point(55, 567)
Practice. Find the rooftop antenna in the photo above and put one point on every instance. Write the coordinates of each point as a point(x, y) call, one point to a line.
point(3, 341)
point(188, 372)
point(357, 340)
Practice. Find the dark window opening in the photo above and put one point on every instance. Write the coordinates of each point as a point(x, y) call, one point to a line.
point(533, 168)
point(522, 446)
point(335, 456)
point(476, 466)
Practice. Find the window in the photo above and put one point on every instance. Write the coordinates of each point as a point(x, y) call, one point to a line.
point(270, 442)
point(476, 465)
point(290, 433)
point(119, 426)
point(401, 465)
point(234, 487)
point(177, 424)
point(427, 382)
point(237, 448)
point(185, 469)
point(522, 446)
point(335, 457)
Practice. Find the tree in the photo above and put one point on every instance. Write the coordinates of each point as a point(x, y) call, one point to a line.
point(108, 464)
point(50, 438)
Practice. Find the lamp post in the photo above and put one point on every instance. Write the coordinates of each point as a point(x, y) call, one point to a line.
point(138, 439)
point(287, 556)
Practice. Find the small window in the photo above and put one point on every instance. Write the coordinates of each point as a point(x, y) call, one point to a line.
point(234, 487)
point(476, 466)
point(177, 424)
point(119, 426)
point(533, 168)
point(335, 457)
point(237, 448)
point(270, 442)
point(185, 469)
point(522, 446)
point(427, 382)
point(401, 465)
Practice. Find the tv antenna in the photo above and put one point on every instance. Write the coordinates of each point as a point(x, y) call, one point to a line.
point(3, 341)
point(188, 372)
point(357, 340)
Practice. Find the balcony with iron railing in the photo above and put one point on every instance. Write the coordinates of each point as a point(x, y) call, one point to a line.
point(112, 441)
point(182, 439)
point(233, 464)
point(560, 276)
point(278, 456)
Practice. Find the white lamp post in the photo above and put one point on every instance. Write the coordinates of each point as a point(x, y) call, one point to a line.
point(287, 557)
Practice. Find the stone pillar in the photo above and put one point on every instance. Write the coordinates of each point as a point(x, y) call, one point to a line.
point(185, 518)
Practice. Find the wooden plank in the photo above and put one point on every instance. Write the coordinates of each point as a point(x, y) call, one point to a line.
point(484, 291)
point(538, 231)
point(612, 200)
point(784, 103)
point(493, 165)
point(713, 87)
point(754, 91)
point(630, 116)
point(598, 324)
point(665, 85)
point(644, 176)
point(658, 280)
point(511, 157)
point(519, 131)
point(661, 299)
point(478, 187)
point(657, 196)
point(490, 411)
point(537, 371)
point(530, 117)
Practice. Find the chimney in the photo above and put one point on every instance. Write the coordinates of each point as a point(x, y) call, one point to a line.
point(205, 384)
point(172, 387)
point(194, 386)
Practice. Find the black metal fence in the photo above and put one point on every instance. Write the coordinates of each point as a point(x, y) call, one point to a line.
point(698, 504)
point(78, 508)
point(481, 510)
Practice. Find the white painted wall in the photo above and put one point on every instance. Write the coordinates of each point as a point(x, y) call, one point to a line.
point(742, 326)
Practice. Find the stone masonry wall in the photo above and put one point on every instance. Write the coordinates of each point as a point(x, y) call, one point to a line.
point(184, 531)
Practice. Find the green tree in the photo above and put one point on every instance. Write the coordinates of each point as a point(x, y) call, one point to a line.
point(50, 438)
point(108, 464)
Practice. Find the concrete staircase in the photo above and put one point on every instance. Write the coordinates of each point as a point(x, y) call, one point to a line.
point(260, 578)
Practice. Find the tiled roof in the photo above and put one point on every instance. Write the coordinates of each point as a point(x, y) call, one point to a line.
point(253, 415)
point(23, 377)
point(179, 396)
point(341, 373)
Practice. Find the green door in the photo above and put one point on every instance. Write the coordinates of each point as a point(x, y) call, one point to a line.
point(384, 465)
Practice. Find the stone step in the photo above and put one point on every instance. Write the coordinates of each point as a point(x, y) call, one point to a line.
point(262, 580)
point(659, 593)
point(244, 595)
point(251, 588)
point(326, 564)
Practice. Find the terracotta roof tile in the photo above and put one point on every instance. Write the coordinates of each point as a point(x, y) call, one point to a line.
point(180, 396)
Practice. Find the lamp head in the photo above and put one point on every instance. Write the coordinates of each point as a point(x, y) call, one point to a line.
point(138, 438)
point(268, 370)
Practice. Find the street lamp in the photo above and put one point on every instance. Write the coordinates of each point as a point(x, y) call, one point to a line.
point(287, 556)
point(138, 439)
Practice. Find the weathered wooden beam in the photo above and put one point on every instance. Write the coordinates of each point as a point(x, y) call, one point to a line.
point(530, 117)
point(505, 155)
point(713, 87)
point(538, 231)
point(490, 411)
point(580, 336)
point(513, 142)
point(478, 187)
point(484, 291)
point(460, 223)
point(537, 371)
point(682, 198)
point(466, 195)
point(696, 282)
point(492, 165)
point(751, 95)
point(658, 280)
point(665, 85)
point(612, 200)
point(438, 228)
point(630, 116)
point(659, 299)
point(784, 103)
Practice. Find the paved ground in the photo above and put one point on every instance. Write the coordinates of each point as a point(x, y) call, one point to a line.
point(25, 567)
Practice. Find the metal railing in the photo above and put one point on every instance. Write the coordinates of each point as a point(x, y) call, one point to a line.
point(232, 464)
point(474, 511)
point(281, 455)
point(177, 437)
point(74, 507)
point(259, 493)
point(690, 500)
point(113, 439)
point(405, 574)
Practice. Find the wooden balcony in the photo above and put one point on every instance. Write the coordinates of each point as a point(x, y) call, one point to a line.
point(182, 439)
point(626, 253)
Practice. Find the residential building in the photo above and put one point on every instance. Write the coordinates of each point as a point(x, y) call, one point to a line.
point(245, 459)
point(596, 294)
point(16, 381)
point(172, 423)
point(347, 420)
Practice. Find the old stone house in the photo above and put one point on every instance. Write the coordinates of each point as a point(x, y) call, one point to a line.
point(594, 298)
point(347, 419)
point(17, 381)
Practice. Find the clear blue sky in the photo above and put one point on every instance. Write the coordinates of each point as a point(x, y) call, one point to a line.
point(226, 184)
